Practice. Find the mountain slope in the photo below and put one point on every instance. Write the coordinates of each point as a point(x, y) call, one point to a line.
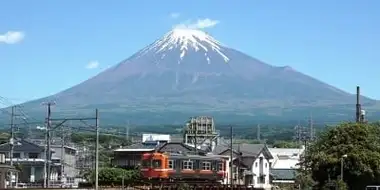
point(189, 71)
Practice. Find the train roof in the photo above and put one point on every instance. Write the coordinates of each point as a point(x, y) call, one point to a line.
point(192, 156)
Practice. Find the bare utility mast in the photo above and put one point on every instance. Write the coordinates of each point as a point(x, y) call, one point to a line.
point(258, 132)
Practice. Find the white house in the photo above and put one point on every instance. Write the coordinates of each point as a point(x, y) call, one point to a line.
point(251, 164)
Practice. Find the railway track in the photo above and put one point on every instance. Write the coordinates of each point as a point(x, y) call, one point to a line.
point(191, 185)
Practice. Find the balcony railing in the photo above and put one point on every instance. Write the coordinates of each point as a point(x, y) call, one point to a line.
point(25, 159)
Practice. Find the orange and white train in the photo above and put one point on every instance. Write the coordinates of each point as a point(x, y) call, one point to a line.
point(173, 167)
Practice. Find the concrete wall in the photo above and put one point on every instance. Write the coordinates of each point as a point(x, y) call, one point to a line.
point(69, 160)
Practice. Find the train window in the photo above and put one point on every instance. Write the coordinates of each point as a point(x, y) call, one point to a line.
point(220, 166)
point(171, 164)
point(187, 165)
point(156, 164)
point(145, 163)
point(206, 166)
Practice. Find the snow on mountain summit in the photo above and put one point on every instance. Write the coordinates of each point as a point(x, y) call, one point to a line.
point(185, 40)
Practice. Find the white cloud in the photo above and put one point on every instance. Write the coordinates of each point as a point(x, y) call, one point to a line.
point(12, 37)
point(175, 15)
point(92, 65)
point(199, 24)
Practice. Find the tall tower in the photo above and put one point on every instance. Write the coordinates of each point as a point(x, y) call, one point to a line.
point(200, 131)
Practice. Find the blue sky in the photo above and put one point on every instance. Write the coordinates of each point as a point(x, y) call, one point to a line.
point(54, 41)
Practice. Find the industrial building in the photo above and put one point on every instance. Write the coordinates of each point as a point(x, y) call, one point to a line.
point(200, 132)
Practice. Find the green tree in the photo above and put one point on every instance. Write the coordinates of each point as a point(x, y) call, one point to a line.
point(358, 145)
point(115, 176)
point(285, 144)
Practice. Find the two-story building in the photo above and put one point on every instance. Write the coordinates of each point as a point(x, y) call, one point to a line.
point(62, 154)
point(250, 164)
point(65, 155)
point(284, 165)
point(29, 158)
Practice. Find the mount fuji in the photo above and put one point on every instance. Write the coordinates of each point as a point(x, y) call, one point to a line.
point(188, 72)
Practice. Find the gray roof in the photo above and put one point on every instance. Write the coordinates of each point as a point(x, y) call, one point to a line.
point(141, 146)
point(21, 145)
point(248, 152)
point(173, 147)
point(245, 149)
point(283, 174)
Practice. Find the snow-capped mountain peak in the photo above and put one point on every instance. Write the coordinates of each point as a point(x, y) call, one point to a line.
point(186, 39)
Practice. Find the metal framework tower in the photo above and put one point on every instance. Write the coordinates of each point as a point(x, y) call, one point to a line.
point(200, 131)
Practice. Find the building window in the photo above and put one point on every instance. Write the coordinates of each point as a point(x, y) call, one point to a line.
point(33, 155)
point(16, 155)
point(171, 164)
point(256, 164)
point(206, 165)
point(187, 165)
point(261, 179)
point(220, 166)
point(266, 165)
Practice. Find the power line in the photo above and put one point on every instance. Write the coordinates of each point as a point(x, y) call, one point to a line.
point(60, 123)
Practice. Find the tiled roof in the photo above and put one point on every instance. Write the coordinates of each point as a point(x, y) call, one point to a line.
point(21, 145)
point(283, 174)
point(245, 149)
point(141, 146)
point(173, 147)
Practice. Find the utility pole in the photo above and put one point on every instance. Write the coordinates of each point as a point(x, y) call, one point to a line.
point(231, 159)
point(46, 157)
point(258, 132)
point(127, 132)
point(48, 141)
point(195, 140)
point(97, 150)
point(62, 153)
point(311, 125)
point(11, 142)
point(49, 128)
point(297, 136)
point(238, 165)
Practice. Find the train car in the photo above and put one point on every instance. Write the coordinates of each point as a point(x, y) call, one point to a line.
point(170, 167)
